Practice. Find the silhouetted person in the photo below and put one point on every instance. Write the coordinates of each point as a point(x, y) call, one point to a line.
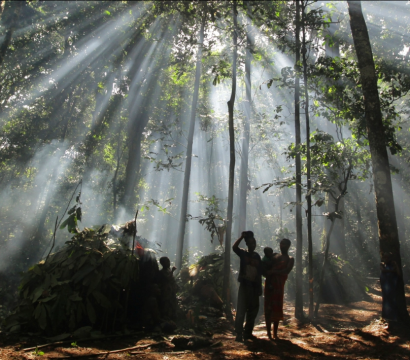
point(168, 287)
point(276, 276)
point(151, 316)
point(389, 277)
point(267, 260)
point(250, 288)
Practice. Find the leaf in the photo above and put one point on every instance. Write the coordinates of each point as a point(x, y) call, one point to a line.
point(37, 293)
point(72, 223)
point(82, 332)
point(101, 299)
point(42, 319)
point(107, 12)
point(64, 224)
point(47, 298)
point(36, 269)
point(71, 211)
point(91, 312)
point(79, 214)
point(75, 297)
point(59, 337)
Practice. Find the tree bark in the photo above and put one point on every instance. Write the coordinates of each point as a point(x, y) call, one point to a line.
point(231, 103)
point(134, 161)
point(387, 224)
point(243, 179)
point(299, 241)
point(308, 179)
point(187, 174)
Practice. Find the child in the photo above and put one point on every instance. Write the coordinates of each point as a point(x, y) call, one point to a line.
point(268, 260)
point(168, 287)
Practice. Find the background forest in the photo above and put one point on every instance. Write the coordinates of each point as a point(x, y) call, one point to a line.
point(126, 102)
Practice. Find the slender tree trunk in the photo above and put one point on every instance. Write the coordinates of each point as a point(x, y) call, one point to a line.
point(138, 114)
point(299, 240)
point(134, 161)
point(308, 179)
point(187, 174)
point(342, 193)
point(322, 271)
point(119, 156)
point(387, 224)
point(243, 180)
point(231, 103)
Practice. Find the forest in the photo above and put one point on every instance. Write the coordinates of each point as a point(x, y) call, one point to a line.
point(134, 131)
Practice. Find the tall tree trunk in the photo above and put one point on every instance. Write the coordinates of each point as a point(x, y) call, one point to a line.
point(308, 179)
point(187, 174)
point(343, 189)
point(138, 114)
point(231, 104)
point(299, 241)
point(243, 179)
point(386, 216)
point(338, 245)
point(134, 160)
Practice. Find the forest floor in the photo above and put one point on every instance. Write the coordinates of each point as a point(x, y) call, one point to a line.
point(351, 331)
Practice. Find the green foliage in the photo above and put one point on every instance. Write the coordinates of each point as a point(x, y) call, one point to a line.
point(221, 71)
point(78, 286)
point(38, 352)
point(211, 214)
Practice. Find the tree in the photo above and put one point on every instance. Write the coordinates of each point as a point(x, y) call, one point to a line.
point(187, 174)
point(243, 177)
point(298, 175)
point(387, 224)
point(231, 104)
point(308, 172)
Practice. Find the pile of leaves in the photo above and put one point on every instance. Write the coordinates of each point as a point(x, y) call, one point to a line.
point(200, 310)
point(81, 285)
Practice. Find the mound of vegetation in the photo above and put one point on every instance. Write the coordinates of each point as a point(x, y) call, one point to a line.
point(80, 285)
point(201, 287)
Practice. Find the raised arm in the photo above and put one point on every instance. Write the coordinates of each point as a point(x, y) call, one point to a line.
point(235, 246)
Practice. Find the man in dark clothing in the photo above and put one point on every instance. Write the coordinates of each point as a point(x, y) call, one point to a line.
point(250, 288)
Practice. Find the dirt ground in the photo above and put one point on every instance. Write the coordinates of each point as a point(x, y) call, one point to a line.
point(352, 331)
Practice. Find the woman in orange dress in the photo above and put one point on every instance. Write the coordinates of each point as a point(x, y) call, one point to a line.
point(276, 277)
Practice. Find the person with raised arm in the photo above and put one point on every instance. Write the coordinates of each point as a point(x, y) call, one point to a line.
point(250, 288)
point(276, 277)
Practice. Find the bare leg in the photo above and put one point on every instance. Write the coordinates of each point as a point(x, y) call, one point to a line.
point(275, 329)
point(268, 327)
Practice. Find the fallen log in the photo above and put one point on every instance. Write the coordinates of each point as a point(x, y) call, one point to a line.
point(106, 352)
point(72, 339)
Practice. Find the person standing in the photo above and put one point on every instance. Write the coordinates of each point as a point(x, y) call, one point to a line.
point(275, 287)
point(250, 286)
point(389, 277)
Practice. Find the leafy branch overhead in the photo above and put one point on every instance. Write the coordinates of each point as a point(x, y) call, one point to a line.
point(74, 215)
point(211, 218)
